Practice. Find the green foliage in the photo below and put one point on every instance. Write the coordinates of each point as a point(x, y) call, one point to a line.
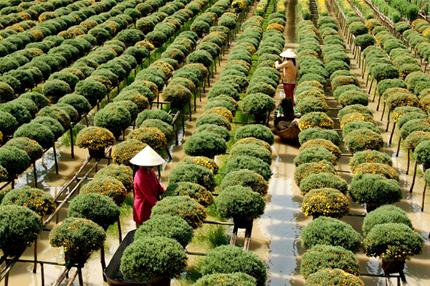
point(231, 259)
point(18, 110)
point(201, 57)
point(229, 279)
point(151, 136)
point(393, 241)
point(53, 124)
point(257, 131)
point(95, 207)
point(124, 151)
point(422, 152)
point(171, 226)
point(153, 257)
point(113, 117)
point(371, 188)
point(240, 162)
point(414, 125)
point(353, 97)
point(79, 102)
point(94, 138)
point(54, 89)
point(370, 156)
point(323, 180)
point(390, 83)
point(140, 100)
point(364, 40)
point(362, 139)
point(107, 186)
point(193, 190)
point(319, 133)
point(239, 202)
point(307, 169)
point(57, 113)
point(31, 147)
point(177, 95)
point(205, 143)
point(14, 160)
point(187, 172)
point(253, 150)
point(212, 118)
point(245, 178)
point(353, 108)
point(79, 237)
point(122, 173)
point(258, 104)
point(314, 154)
point(92, 90)
point(19, 227)
point(326, 277)
point(385, 214)
point(39, 201)
point(359, 124)
point(154, 114)
point(330, 231)
point(8, 123)
point(216, 130)
point(383, 170)
point(38, 132)
point(39, 99)
point(185, 207)
point(384, 71)
point(325, 256)
point(6, 92)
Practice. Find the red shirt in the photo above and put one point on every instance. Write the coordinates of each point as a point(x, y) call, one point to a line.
point(147, 189)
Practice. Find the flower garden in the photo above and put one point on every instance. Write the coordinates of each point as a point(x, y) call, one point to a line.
point(88, 84)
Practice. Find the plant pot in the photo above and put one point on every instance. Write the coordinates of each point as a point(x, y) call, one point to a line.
point(97, 153)
point(392, 266)
point(243, 222)
point(371, 206)
point(114, 276)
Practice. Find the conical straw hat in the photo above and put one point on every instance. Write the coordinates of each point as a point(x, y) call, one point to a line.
point(288, 53)
point(147, 158)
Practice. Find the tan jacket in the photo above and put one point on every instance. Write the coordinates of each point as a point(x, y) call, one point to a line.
point(289, 71)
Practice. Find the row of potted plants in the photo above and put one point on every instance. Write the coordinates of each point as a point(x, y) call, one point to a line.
point(72, 106)
point(110, 181)
point(375, 182)
point(29, 26)
point(326, 260)
point(183, 83)
point(258, 102)
point(406, 97)
point(190, 187)
point(72, 234)
point(244, 176)
point(36, 64)
point(18, 12)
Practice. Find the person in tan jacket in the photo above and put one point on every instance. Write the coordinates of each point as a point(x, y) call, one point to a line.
point(288, 72)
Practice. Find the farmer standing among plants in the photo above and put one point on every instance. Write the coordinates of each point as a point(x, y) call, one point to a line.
point(147, 188)
point(289, 72)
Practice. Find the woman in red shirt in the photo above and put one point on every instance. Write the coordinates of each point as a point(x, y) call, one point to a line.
point(147, 188)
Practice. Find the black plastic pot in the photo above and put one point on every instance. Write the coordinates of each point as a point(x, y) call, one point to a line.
point(114, 276)
point(97, 153)
point(392, 266)
point(243, 222)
